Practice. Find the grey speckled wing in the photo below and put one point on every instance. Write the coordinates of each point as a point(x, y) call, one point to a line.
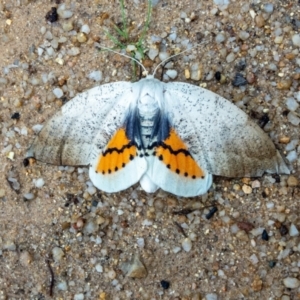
point(219, 135)
point(67, 138)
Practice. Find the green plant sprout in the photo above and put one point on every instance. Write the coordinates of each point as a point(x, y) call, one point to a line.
point(123, 32)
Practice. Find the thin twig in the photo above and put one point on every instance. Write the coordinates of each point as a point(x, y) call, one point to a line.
point(51, 277)
point(180, 229)
point(183, 212)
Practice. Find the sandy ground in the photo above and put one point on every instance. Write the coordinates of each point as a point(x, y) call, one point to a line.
point(72, 244)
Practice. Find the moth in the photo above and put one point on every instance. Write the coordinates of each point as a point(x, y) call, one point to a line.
point(174, 136)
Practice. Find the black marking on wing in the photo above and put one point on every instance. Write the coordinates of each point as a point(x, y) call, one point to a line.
point(175, 152)
point(114, 149)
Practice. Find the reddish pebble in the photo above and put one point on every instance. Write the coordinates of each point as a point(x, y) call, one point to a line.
point(250, 78)
point(246, 226)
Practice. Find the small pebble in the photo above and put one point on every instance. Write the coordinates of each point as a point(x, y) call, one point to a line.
point(293, 230)
point(223, 79)
point(254, 259)
point(250, 78)
point(43, 30)
point(111, 274)
point(278, 39)
point(147, 223)
point(209, 76)
point(48, 35)
point(172, 73)
point(85, 29)
point(152, 53)
point(52, 15)
point(39, 183)
point(257, 284)
point(163, 55)
point(265, 235)
point(292, 156)
point(244, 35)
point(57, 254)
point(284, 84)
point(67, 26)
point(91, 190)
point(246, 226)
point(95, 75)
point(79, 223)
point(9, 245)
point(54, 43)
point(272, 264)
point(211, 297)
point(292, 181)
point(284, 139)
point(297, 96)
point(165, 284)
point(62, 285)
point(25, 258)
point(79, 296)
point(239, 80)
point(90, 227)
point(187, 73)
point(247, 189)
point(187, 244)
point(268, 8)
point(218, 76)
point(291, 104)
point(230, 57)
point(173, 36)
point(50, 51)
point(296, 40)
point(176, 250)
point(15, 116)
point(81, 37)
point(291, 283)
point(255, 184)
point(252, 52)
point(283, 230)
point(131, 48)
point(257, 231)
point(292, 145)
point(196, 73)
point(259, 21)
point(222, 5)
point(65, 14)
point(141, 242)
point(99, 268)
point(220, 38)
point(58, 93)
point(28, 196)
point(134, 269)
point(284, 254)
point(214, 11)
point(73, 51)
point(293, 118)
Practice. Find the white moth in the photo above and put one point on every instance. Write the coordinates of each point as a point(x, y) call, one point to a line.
point(172, 136)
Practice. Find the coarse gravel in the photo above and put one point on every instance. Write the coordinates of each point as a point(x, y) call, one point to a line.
point(61, 238)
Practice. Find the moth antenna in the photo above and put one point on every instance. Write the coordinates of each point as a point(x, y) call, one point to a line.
point(122, 54)
point(165, 60)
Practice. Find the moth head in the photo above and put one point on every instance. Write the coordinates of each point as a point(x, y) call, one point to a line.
point(150, 91)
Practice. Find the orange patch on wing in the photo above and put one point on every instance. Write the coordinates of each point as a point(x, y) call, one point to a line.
point(174, 154)
point(119, 152)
